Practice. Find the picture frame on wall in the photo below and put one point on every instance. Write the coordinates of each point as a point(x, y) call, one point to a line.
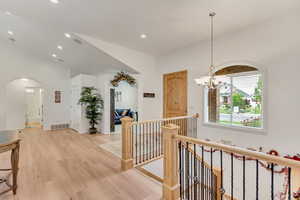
point(57, 96)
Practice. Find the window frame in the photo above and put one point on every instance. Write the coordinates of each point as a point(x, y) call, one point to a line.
point(254, 130)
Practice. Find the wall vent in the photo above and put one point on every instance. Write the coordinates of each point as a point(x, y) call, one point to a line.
point(59, 126)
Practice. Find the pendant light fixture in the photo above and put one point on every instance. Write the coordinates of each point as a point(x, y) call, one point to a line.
point(211, 81)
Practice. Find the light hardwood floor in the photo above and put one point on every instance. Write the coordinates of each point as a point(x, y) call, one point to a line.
point(64, 165)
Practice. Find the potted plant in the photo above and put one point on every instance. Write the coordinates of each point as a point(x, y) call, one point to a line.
point(93, 102)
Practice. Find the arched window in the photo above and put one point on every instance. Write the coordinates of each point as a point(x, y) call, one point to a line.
point(238, 102)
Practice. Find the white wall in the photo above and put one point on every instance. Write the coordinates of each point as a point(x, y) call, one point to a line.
point(128, 97)
point(272, 46)
point(78, 119)
point(148, 78)
point(16, 65)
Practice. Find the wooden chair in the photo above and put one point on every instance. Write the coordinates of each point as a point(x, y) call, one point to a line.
point(14, 147)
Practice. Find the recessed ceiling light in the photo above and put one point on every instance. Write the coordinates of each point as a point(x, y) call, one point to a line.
point(54, 55)
point(67, 35)
point(59, 47)
point(24, 79)
point(143, 36)
point(10, 32)
point(54, 1)
point(8, 13)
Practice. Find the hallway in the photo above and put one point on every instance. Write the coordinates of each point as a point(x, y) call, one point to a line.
point(64, 165)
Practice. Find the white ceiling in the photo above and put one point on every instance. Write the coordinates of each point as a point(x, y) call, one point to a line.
point(40, 42)
point(169, 24)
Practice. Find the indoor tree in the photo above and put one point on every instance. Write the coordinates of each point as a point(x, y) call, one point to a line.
point(93, 102)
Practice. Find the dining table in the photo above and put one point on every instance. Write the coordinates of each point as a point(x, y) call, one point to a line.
point(10, 143)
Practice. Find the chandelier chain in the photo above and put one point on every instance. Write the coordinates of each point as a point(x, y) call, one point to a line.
point(212, 43)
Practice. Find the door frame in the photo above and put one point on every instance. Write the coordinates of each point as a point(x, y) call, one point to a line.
point(165, 89)
point(112, 110)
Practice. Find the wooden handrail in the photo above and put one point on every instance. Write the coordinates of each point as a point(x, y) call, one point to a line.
point(230, 149)
point(167, 119)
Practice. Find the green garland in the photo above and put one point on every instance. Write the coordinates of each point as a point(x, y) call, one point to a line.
point(122, 76)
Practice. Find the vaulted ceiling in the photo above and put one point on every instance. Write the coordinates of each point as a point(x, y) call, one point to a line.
point(168, 24)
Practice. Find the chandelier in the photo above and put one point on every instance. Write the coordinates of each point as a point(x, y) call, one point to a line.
point(211, 81)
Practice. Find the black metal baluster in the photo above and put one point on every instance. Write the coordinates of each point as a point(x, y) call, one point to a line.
point(199, 181)
point(195, 173)
point(231, 176)
point(143, 142)
point(158, 140)
point(272, 181)
point(211, 173)
point(151, 140)
point(180, 169)
point(187, 172)
point(140, 137)
point(136, 144)
point(221, 163)
point(207, 183)
point(202, 173)
point(147, 137)
point(155, 138)
point(257, 180)
point(289, 184)
point(244, 178)
point(191, 173)
point(183, 170)
point(161, 141)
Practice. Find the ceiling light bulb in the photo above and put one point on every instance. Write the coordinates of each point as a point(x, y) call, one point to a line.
point(10, 32)
point(143, 36)
point(67, 35)
point(54, 55)
point(54, 1)
point(60, 47)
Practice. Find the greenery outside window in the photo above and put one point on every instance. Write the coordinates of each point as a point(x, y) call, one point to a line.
point(239, 101)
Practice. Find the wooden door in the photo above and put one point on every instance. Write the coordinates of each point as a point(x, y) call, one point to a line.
point(175, 94)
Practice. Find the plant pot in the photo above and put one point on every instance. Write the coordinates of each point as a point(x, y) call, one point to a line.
point(93, 130)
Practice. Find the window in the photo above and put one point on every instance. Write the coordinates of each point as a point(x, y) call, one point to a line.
point(238, 102)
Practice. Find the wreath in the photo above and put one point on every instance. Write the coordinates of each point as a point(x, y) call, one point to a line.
point(122, 76)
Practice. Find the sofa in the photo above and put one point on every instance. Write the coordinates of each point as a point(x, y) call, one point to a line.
point(120, 113)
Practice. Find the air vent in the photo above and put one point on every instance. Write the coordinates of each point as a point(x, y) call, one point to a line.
point(56, 127)
point(77, 41)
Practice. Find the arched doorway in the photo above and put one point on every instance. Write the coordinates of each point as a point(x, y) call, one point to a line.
point(24, 104)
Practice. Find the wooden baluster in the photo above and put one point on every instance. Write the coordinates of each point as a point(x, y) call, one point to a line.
point(170, 184)
point(127, 154)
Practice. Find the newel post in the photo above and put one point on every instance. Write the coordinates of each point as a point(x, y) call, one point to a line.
point(170, 183)
point(127, 157)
